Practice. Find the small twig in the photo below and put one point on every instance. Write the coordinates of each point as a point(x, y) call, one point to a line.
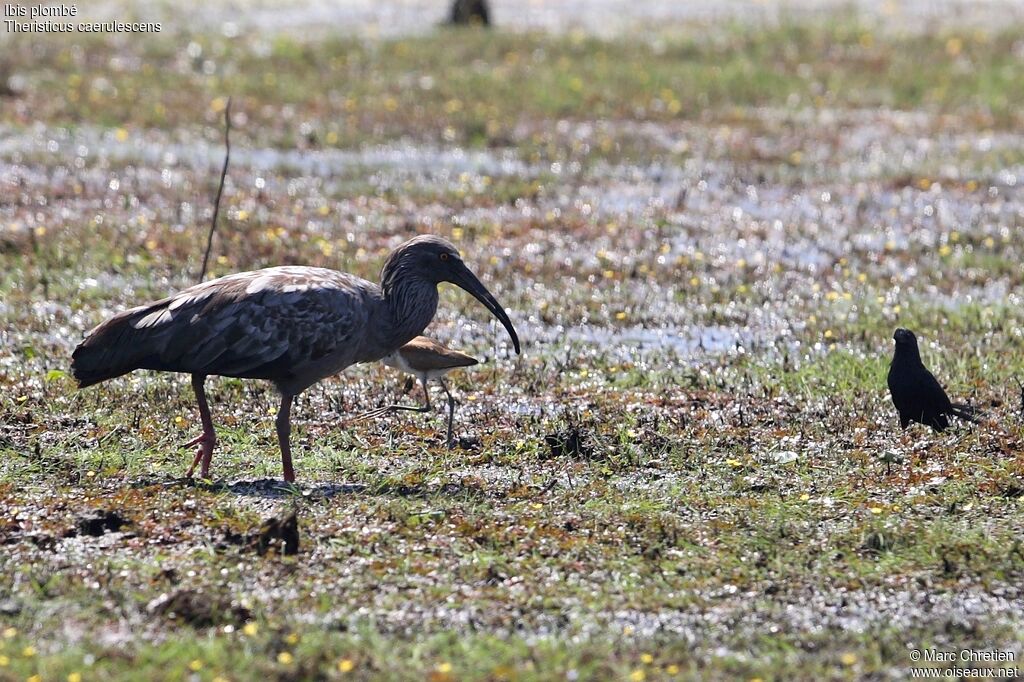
point(220, 189)
point(550, 484)
point(1021, 385)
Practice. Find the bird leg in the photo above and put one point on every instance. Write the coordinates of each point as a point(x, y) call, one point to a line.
point(208, 438)
point(451, 412)
point(393, 408)
point(284, 432)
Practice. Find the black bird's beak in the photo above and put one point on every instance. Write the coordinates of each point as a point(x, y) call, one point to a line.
point(462, 277)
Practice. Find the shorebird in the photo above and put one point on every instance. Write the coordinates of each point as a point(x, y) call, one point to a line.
point(425, 359)
point(290, 325)
point(916, 393)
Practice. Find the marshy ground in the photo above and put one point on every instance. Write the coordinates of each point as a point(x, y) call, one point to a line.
point(705, 234)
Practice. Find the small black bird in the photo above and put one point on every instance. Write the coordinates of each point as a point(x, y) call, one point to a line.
point(918, 397)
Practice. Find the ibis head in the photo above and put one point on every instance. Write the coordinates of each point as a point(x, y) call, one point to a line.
point(435, 260)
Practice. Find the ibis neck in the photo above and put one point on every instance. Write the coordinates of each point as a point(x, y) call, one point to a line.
point(412, 304)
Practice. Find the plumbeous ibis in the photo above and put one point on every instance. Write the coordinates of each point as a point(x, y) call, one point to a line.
point(290, 325)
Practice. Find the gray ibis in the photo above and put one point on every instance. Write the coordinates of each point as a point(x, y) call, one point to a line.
point(290, 325)
point(425, 359)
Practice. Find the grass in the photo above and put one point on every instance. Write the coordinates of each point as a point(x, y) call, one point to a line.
point(481, 88)
point(706, 274)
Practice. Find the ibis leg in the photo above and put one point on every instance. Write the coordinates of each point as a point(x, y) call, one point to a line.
point(451, 412)
point(208, 438)
point(284, 432)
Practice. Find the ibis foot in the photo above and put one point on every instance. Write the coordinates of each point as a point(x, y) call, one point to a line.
point(206, 442)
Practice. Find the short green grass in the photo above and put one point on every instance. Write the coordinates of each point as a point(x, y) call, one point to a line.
point(478, 87)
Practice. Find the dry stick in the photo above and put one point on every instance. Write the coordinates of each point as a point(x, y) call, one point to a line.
point(1021, 384)
point(220, 189)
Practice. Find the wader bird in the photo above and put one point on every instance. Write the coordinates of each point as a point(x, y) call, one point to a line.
point(425, 359)
point(916, 393)
point(290, 325)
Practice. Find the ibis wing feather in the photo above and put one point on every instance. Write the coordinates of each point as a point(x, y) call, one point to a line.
point(266, 324)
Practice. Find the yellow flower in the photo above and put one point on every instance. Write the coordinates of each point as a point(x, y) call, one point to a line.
point(74, 677)
point(29, 651)
point(35, 678)
point(292, 638)
point(848, 659)
point(10, 632)
point(250, 628)
point(285, 658)
point(196, 665)
point(646, 658)
point(876, 510)
point(444, 668)
point(346, 665)
point(672, 669)
point(638, 675)
point(4, 661)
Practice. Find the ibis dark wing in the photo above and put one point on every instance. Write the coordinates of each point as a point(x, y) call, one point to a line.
point(269, 324)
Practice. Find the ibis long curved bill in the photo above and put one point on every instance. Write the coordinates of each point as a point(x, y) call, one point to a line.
point(463, 277)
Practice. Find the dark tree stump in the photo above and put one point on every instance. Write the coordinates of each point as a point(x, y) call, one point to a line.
point(470, 13)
